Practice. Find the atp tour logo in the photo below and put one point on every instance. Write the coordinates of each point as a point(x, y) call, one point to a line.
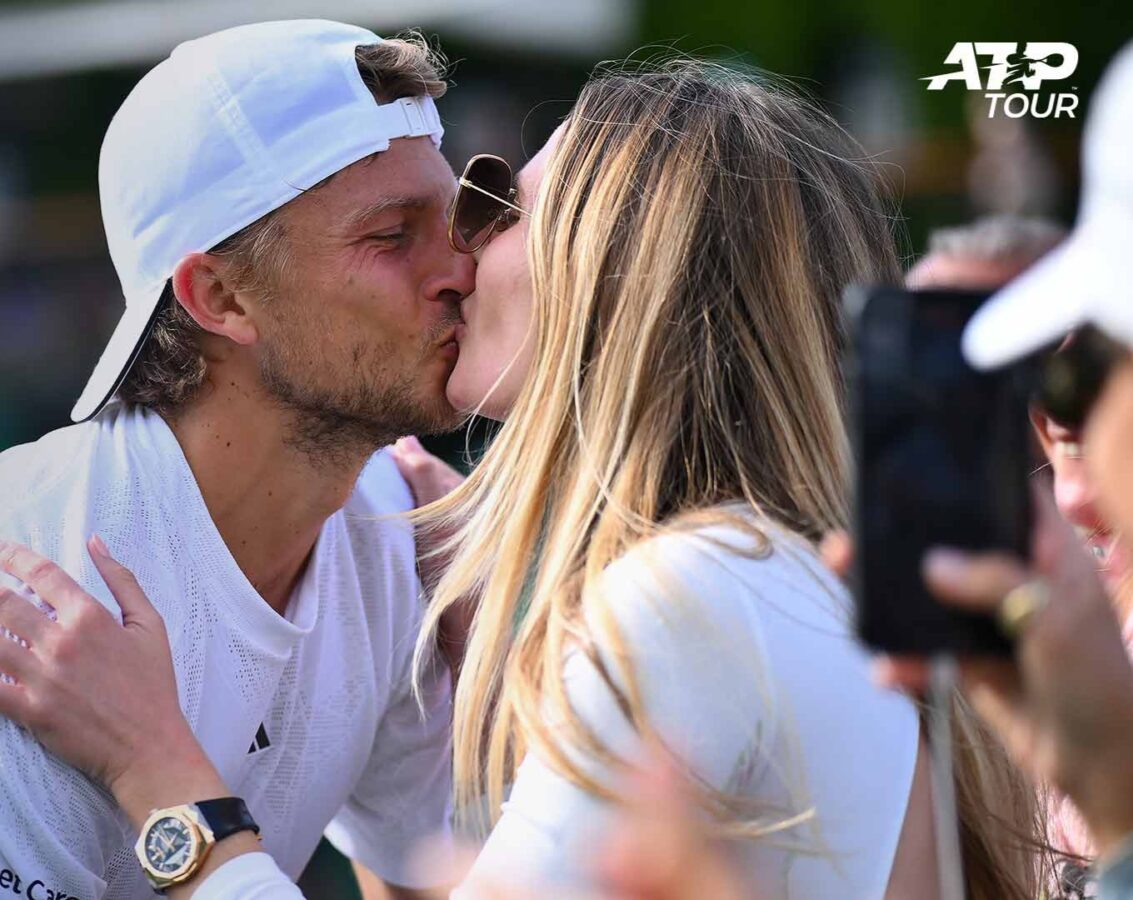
point(1007, 67)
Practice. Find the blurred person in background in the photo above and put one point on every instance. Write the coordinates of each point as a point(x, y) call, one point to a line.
point(987, 255)
point(1064, 706)
point(984, 255)
point(1079, 294)
point(275, 202)
point(658, 321)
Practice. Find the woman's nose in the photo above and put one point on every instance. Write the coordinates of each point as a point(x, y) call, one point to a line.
point(1073, 492)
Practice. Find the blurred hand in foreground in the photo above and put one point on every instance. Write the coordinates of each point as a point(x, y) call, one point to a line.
point(1064, 705)
point(661, 850)
point(657, 848)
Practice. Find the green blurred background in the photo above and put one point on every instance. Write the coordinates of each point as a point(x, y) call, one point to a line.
point(65, 68)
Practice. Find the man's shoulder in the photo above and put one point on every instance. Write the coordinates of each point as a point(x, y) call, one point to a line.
point(29, 472)
point(77, 481)
point(382, 547)
point(69, 469)
point(380, 489)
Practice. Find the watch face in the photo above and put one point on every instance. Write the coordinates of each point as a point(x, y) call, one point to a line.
point(169, 845)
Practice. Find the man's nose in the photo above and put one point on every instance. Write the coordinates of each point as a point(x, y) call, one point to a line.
point(456, 276)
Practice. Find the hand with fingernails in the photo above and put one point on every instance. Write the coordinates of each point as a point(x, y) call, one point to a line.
point(429, 477)
point(121, 725)
point(1064, 705)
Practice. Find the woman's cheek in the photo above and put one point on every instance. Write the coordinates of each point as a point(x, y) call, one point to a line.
point(1109, 449)
point(461, 389)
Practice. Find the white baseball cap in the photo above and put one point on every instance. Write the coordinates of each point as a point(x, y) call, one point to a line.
point(232, 126)
point(1088, 280)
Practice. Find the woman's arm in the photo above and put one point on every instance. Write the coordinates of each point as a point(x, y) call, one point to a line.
point(120, 724)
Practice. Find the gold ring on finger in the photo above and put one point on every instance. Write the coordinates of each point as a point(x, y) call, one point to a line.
point(1019, 606)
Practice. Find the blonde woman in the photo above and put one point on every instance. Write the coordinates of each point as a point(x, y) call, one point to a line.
point(657, 320)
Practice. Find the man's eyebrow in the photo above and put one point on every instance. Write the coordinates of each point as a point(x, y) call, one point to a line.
point(385, 204)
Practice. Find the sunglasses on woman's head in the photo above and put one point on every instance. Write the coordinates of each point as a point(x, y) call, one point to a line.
point(1071, 378)
point(483, 203)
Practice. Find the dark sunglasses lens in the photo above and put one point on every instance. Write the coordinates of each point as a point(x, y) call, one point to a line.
point(1073, 377)
point(476, 211)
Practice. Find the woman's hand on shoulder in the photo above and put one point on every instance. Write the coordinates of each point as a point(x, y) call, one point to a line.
point(99, 693)
point(429, 477)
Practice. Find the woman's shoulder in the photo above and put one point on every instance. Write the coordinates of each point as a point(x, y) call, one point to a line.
point(678, 622)
point(737, 610)
point(727, 571)
point(698, 604)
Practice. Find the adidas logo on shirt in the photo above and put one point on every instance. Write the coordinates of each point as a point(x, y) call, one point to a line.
point(261, 741)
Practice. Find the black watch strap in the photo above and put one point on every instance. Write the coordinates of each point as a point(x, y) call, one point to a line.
point(227, 816)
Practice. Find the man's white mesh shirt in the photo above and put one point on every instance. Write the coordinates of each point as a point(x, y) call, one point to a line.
point(309, 718)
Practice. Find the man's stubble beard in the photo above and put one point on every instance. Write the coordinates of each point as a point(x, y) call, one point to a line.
point(370, 408)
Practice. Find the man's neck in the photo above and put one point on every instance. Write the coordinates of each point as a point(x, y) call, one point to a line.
point(269, 501)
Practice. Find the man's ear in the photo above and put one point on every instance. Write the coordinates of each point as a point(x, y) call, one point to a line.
point(200, 286)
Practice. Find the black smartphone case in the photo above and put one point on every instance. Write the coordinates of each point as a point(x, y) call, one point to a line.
point(942, 458)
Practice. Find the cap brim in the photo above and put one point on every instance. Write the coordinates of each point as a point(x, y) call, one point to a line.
point(121, 351)
point(1084, 281)
point(1045, 303)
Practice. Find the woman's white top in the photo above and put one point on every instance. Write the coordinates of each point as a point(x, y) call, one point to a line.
point(749, 670)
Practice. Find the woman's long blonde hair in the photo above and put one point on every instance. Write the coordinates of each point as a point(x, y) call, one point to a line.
point(688, 249)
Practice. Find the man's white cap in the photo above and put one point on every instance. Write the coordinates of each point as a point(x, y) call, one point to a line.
point(230, 127)
point(1089, 279)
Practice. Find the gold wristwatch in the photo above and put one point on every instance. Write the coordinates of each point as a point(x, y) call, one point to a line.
point(175, 842)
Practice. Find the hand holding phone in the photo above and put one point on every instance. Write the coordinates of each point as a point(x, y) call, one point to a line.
point(942, 458)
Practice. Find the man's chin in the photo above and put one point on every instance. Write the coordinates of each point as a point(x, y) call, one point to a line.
point(438, 414)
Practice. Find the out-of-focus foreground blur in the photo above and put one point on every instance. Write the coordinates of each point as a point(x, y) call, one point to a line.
point(65, 67)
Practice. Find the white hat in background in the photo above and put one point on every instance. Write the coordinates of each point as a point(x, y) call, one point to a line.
point(232, 126)
point(1088, 280)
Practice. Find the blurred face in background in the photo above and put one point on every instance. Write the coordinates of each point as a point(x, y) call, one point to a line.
point(496, 343)
point(1108, 440)
point(1075, 486)
point(1077, 490)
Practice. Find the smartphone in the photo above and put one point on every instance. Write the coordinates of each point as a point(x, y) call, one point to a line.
point(942, 456)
